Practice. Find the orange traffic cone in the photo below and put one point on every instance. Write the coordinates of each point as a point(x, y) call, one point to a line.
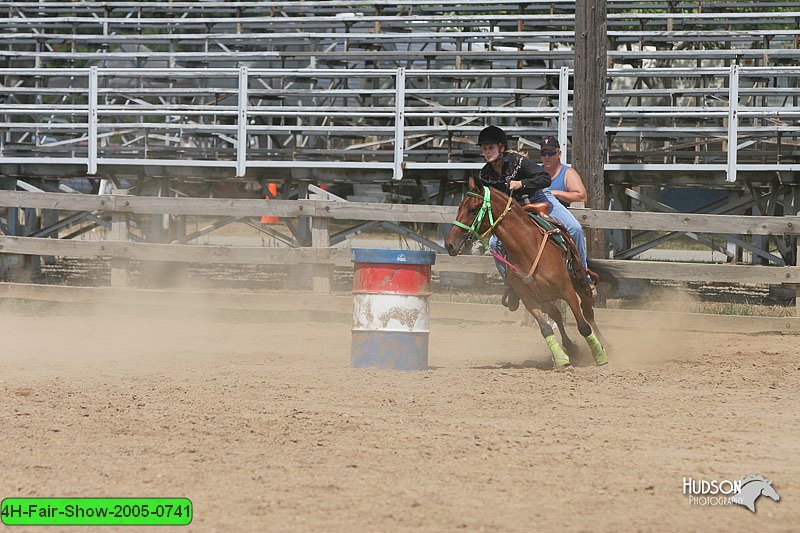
point(273, 193)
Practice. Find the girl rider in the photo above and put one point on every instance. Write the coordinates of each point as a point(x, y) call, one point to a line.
point(515, 174)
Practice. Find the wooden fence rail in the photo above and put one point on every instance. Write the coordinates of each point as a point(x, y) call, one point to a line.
point(238, 207)
point(321, 211)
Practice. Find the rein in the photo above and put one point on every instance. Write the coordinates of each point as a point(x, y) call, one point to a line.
point(528, 278)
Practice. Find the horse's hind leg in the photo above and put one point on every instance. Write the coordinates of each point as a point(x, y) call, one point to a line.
point(603, 340)
point(587, 307)
point(560, 357)
point(598, 352)
point(551, 308)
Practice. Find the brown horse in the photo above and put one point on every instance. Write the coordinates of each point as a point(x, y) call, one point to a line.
point(486, 210)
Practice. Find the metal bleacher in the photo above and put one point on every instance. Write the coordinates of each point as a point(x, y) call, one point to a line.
point(369, 91)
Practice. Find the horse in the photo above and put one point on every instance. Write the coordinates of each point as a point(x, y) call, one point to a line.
point(751, 488)
point(530, 250)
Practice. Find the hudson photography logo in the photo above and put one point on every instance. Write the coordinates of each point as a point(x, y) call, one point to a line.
point(744, 491)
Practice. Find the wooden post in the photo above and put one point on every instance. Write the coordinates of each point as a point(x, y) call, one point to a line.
point(119, 232)
point(180, 229)
point(796, 204)
point(796, 209)
point(301, 277)
point(620, 239)
point(588, 132)
point(322, 274)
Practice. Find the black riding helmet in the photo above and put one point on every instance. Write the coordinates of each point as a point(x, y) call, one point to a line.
point(492, 135)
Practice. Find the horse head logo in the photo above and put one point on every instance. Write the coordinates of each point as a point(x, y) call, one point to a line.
point(752, 488)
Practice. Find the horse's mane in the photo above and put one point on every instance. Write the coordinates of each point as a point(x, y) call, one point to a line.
point(514, 204)
point(504, 196)
point(478, 189)
point(748, 479)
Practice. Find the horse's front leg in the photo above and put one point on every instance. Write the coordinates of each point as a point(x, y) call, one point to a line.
point(528, 297)
point(551, 308)
point(560, 357)
point(598, 352)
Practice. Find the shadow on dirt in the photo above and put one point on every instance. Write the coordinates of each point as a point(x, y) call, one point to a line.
point(529, 363)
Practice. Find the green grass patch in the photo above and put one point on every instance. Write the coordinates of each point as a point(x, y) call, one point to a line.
point(708, 308)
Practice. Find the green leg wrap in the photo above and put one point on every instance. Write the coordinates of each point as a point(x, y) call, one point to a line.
point(599, 353)
point(560, 357)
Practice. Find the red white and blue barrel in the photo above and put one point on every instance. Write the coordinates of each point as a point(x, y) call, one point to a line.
point(391, 289)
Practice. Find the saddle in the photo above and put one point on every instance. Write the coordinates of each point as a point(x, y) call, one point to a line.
point(539, 208)
point(563, 240)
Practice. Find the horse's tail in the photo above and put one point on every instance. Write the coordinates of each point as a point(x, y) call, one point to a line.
point(604, 272)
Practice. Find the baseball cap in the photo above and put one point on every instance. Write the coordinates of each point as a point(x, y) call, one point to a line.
point(550, 142)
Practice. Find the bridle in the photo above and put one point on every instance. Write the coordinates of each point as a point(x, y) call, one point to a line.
point(486, 207)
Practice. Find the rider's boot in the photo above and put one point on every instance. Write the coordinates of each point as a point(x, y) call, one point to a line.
point(510, 299)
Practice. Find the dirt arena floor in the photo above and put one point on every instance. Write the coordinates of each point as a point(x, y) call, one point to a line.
point(264, 426)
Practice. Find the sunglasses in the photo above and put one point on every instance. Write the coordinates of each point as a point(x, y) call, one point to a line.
point(549, 153)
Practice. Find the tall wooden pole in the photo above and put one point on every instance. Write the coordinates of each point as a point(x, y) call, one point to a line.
point(588, 128)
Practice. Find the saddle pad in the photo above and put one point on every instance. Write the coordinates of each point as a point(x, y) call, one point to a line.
point(548, 224)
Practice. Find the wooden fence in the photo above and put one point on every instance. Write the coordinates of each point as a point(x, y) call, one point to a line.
point(324, 257)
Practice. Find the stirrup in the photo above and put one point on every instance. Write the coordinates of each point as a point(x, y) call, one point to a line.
point(590, 286)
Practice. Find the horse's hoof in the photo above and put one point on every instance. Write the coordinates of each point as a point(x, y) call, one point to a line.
point(563, 368)
point(604, 367)
point(601, 359)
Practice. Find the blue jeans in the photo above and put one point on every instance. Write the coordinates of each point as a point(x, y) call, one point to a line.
point(566, 218)
point(496, 246)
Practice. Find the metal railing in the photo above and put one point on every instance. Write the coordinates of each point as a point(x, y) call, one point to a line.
point(443, 34)
point(390, 119)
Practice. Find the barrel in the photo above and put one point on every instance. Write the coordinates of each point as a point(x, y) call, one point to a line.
point(391, 325)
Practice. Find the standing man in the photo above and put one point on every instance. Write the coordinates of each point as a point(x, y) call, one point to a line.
point(566, 185)
point(565, 182)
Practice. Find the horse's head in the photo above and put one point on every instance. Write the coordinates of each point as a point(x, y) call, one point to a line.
point(768, 491)
point(751, 488)
point(471, 220)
